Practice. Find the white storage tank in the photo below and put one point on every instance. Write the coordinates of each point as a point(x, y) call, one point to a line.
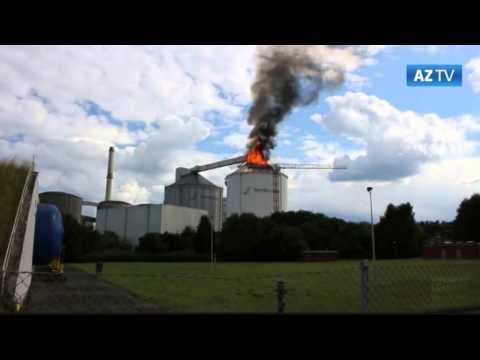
point(257, 190)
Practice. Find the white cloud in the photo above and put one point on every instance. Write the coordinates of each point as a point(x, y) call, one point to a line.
point(318, 152)
point(132, 192)
point(474, 76)
point(430, 49)
point(132, 82)
point(236, 140)
point(318, 118)
point(397, 142)
point(435, 192)
point(169, 89)
point(357, 82)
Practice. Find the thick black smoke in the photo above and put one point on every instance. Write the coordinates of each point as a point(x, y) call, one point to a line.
point(287, 77)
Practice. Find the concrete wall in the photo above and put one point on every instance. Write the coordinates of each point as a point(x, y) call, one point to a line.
point(176, 218)
point(112, 219)
point(26, 259)
point(137, 223)
point(131, 223)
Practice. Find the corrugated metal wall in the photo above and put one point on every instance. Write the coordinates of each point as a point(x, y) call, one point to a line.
point(197, 196)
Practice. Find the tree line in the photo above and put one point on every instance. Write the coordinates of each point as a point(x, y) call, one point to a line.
point(284, 236)
point(81, 242)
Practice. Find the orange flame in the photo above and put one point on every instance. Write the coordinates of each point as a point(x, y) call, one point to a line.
point(255, 157)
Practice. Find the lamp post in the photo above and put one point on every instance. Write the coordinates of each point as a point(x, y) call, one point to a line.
point(369, 189)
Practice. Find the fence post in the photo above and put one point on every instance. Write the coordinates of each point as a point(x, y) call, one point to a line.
point(364, 285)
point(99, 268)
point(281, 293)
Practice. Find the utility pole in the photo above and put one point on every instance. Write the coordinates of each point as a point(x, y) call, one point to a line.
point(369, 189)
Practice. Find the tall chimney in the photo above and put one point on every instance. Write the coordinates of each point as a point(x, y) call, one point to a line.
point(108, 191)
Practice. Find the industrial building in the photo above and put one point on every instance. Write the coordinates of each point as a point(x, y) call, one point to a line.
point(468, 250)
point(132, 222)
point(252, 188)
point(196, 195)
point(68, 204)
point(257, 190)
point(194, 191)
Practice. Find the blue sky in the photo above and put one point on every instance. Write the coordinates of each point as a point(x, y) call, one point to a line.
point(387, 79)
point(169, 106)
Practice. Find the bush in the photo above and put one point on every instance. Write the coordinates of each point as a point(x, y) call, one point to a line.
point(288, 242)
point(109, 240)
point(81, 240)
point(185, 241)
point(154, 243)
point(241, 235)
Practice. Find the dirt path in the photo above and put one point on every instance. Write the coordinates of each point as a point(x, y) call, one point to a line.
point(81, 292)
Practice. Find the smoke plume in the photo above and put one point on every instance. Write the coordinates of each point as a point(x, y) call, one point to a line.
point(287, 77)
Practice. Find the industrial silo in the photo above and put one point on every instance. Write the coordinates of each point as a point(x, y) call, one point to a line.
point(68, 204)
point(112, 204)
point(112, 215)
point(194, 191)
point(257, 190)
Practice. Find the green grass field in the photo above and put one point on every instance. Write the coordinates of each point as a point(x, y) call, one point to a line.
point(12, 180)
point(394, 286)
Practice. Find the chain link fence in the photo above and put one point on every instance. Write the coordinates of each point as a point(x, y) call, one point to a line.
point(424, 287)
point(343, 287)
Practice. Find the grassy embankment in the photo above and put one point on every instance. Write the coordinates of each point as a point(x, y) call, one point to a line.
point(12, 180)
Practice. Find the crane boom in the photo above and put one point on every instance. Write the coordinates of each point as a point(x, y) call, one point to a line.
point(243, 159)
point(309, 166)
point(218, 164)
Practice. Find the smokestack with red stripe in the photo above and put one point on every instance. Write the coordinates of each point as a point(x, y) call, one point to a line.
point(108, 191)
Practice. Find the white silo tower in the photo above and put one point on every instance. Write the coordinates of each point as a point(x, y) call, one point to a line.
point(257, 190)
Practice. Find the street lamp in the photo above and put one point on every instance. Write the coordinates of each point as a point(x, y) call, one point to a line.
point(369, 189)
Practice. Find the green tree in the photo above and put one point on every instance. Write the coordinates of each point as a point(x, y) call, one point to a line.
point(288, 242)
point(153, 242)
point(467, 221)
point(202, 239)
point(396, 233)
point(241, 235)
point(186, 239)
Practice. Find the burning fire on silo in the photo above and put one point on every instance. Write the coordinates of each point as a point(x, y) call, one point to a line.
point(287, 77)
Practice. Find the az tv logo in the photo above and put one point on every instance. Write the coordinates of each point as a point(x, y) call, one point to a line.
point(434, 75)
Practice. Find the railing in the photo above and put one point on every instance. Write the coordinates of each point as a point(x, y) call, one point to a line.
point(13, 234)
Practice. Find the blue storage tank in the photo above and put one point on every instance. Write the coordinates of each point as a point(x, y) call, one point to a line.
point(48, 235)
